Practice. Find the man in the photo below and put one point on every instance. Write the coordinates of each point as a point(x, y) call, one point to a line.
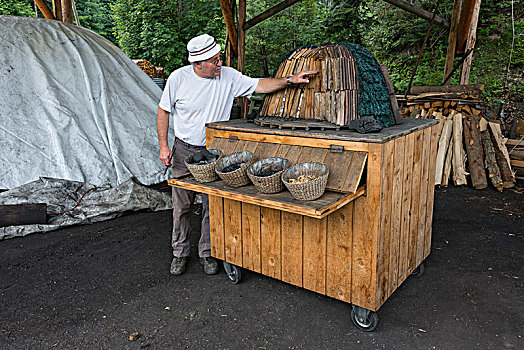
point(195, 95)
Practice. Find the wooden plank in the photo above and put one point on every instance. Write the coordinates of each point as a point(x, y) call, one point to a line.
point(216, 227)
point(317, 138)
point(459, 159)
point(338, 165)
point(251, 255)
point(406, 208)
point(470, 44)
point(233, 231)
point(270, 225)
point(23, 214)
point(385, 218)
point(338, 261)
point(423, 204)
point(318, 208)
point(266, 150)
point(292, 231)
point(312, 154)
point(289, 152)
point(365, 235)
point(396, 213)
point(431, 191)
point(415, 201)
point(244, 145)
point(314, 252)
point(355, 171)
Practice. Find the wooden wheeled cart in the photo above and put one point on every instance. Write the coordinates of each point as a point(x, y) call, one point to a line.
point(357, 243)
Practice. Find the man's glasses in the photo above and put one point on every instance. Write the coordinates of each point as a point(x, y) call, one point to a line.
point(215, 61)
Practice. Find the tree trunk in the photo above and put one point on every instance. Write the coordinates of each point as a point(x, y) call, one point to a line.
point(264, 60)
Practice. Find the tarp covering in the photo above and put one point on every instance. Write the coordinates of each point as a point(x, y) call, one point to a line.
point(92, 204)
point(73, 106)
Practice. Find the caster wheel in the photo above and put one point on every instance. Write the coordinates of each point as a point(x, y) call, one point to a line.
point(364, 319)
point(233, 272)
point(419, 271)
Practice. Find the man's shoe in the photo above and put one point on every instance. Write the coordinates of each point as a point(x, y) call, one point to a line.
point(178, 266)
point(210, 265)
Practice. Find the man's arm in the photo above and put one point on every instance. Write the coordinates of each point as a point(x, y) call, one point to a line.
point(269, 85)
point(162, 127)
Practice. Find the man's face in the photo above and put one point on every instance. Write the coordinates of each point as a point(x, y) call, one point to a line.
point(210, 68)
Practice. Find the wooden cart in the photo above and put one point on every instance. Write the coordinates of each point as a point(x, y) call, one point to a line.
point(359, 241)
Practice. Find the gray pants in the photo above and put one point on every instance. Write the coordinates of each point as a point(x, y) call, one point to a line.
point(183, 207)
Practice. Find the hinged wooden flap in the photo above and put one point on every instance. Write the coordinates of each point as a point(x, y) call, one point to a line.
point(345, 166)
point(319, 208)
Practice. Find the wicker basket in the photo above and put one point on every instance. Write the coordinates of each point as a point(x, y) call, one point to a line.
point(309, 190)
point(203, 172)
point(237, 177)
point(271, 183)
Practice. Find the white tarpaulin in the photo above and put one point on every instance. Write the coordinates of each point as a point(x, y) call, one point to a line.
point(73, 106)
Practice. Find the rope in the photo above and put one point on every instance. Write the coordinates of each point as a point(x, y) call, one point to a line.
point(77, 203)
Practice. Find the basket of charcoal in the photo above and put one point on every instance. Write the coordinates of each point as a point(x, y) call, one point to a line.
point(266, 174)
point(306, 181)
point(202, 164)
point(233, 168)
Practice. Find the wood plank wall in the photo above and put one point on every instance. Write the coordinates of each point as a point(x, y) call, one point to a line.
point(360, 253)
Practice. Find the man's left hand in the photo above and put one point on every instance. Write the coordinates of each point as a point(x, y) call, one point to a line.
point(302, 77)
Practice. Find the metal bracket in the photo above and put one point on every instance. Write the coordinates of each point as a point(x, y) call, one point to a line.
point(336, 149)
point(233, 138)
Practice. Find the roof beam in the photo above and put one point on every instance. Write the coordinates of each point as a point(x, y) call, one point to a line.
point(44, 9)
point(230, 24)
point(417, 11)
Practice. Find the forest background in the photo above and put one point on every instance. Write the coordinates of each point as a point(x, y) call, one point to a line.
point(158, 30)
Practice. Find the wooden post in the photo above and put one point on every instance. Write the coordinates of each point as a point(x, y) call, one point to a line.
point(44, 9)
point(472, 37)
point(452, 38)
point(230, 23)
point(417, 11)
point(57, 9)
point(464, 23)
point(67, 11)
point(241, 36)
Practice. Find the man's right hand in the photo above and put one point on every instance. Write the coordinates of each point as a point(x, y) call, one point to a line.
point(165, 155)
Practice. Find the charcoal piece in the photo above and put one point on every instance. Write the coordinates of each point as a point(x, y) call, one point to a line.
point(233, 167)
point(365, 125)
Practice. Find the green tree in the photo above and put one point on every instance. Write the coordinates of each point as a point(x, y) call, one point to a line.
point(16, 8)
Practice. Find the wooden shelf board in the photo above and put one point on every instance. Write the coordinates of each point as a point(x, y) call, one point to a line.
point(319, 208)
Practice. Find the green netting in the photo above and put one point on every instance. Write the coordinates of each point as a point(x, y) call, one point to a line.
point(373, 93)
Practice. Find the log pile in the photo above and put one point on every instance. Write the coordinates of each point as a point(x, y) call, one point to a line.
point(516, 155)
point(470, 146)
point(150, 69)
point(331, 95)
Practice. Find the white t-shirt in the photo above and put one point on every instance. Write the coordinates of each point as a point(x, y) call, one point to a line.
point(194, 101)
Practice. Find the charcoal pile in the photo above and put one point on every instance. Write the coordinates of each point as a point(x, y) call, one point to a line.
point(202, 157)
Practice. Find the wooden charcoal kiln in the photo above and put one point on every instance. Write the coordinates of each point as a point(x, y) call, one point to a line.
point(349, 85)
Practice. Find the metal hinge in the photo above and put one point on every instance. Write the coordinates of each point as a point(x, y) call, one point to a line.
point(336, 149)
point(233, 138)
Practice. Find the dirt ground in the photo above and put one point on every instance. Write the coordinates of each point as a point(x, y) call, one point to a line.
point(90, 287)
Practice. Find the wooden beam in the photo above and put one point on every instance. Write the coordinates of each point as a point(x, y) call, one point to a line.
point(417, 11)
point(466, 15)
point(266, 14)
point(230, 23)
point(44, 9)
point(452, 38)
point(417, 90)
point(23, 214)
point(472, 38)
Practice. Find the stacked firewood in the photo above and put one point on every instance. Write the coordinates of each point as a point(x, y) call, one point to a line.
point(516, 155)
point(330, 95)
point(150, 69)
point(469, 144)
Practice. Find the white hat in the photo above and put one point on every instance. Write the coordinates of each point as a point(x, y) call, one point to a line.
point(202, 47)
